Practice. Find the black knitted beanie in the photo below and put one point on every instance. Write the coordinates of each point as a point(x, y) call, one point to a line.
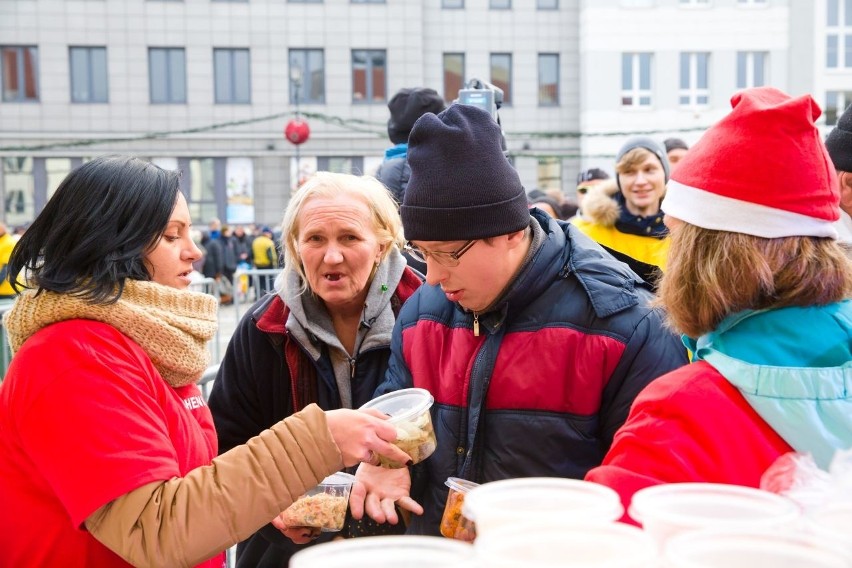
point(462, 186)
point(839, 142)
point(406, 106)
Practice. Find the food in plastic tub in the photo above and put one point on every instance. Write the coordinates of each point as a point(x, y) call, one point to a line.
point(387, 552)
point(726, 548)
point(454, 524)
point(543, 501)
point(666, 510)
point(408, 410)
point(324, 506)
point(592, 545)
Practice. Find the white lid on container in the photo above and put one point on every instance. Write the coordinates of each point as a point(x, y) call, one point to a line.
point(402, 405)
point(339, 478)
point(735, 548)
point(387, 552)
point(698, 505)
point(572, 499)
point(591, 545)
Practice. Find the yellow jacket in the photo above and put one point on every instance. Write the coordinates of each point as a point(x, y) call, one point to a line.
point(7, 243)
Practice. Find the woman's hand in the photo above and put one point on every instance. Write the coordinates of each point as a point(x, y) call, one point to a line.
point(378, 489)
point(363, 435)
point(299, 535)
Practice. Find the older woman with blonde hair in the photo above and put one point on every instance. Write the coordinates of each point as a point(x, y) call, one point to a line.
point(761, 289)
point(324, 335)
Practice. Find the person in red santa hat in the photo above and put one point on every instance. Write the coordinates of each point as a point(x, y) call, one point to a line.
point(760, 288)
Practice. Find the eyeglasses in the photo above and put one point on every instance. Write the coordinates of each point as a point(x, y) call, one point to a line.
point(448, 259)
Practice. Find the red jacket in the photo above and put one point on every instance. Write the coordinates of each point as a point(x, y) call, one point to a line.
point(689, 425)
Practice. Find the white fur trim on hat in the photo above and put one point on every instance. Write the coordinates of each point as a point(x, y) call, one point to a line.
point(718, 212)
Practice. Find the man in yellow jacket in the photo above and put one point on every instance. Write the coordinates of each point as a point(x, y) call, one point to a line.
point(623, 215)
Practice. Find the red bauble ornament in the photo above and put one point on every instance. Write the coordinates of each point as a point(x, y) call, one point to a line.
point(297, 131)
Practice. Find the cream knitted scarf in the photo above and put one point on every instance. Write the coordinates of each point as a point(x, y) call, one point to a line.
point(172, 326)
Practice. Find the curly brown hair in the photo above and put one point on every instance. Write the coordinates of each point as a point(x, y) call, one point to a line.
point(713, 274)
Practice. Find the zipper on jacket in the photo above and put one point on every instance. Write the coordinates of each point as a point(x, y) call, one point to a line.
point(351, 368)
point(475, 324)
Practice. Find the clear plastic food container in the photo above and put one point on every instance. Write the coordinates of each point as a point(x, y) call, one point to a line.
point(552, 545)
point(408, 410)
point(387, 552)
point(544, 501)
point(667, 510)
point(324, 506)
point(454, 524)
point(732, 548)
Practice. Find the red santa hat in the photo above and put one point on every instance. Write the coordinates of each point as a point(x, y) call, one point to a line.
point(762, 170)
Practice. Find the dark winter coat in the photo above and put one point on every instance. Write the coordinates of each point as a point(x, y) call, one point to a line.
point(550, 378)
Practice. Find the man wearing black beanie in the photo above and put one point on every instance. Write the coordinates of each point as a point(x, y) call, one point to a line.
point(839, 145)
point(531, 338)
point(406, 106)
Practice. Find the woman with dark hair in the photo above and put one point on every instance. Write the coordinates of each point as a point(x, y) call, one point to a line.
point(763, 293)
point(106, 445)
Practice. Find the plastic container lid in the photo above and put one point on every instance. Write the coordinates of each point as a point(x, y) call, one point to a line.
point(339, 478)
point(403, 404)
point(699, 505)
point(594, 545)
point(729, 548)
point(459, 484)
point(540, 500)
point(387, 552)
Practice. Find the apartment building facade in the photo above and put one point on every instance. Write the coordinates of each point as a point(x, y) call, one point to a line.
point(669, 67)
point(207, 87)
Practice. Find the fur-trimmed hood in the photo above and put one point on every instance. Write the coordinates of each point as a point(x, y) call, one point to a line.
point(599, 205)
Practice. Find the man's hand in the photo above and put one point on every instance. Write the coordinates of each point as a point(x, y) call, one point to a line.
point(377, 489)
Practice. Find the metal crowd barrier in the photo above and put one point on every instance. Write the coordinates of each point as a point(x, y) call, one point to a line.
point(210, 286)
point(251, 284)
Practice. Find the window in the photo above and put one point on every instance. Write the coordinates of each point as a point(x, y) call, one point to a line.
point(693, 79)
point(311, 65)
point(167, 74)
point(548, 79)
point(835, 103)
point(501, 74)
point(201, 190)
point(232, 76)
point(838, 38)
point(18, 190)
point(19, 67)
point(452, 4)
point(368, 75)
point(636, 79)
point(547, 4)
point(500, 4)
point(751, 69)
point(341, 164)
point(453, 75)
point(88, 74)
point(549, 173)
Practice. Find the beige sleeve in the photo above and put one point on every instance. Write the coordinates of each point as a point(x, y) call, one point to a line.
point(184, 521)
